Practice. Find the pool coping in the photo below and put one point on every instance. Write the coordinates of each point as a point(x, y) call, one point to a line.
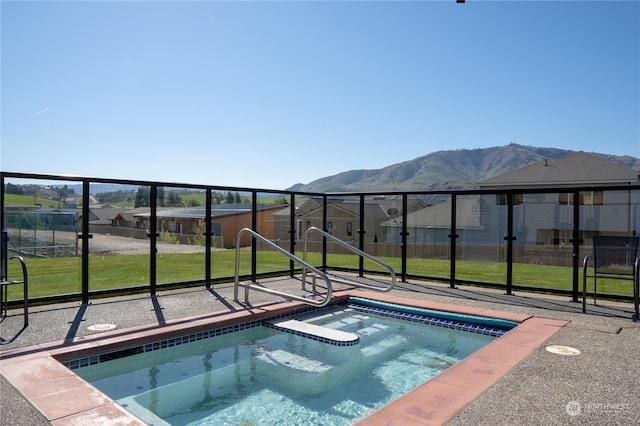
point(65, 399)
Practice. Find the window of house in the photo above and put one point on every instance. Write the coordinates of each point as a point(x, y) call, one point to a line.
point(587, 198)
point(565, 199)
point(591, 198)
point(349, 229)
point(330, 227)
point(518, 199)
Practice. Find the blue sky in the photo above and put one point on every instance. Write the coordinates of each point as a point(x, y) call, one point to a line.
point(269, 94)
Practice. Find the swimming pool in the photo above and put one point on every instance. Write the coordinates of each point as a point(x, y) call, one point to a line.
point(254, 374)
point(40, 373)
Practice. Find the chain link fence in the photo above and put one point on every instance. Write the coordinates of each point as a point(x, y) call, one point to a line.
point(43, 233)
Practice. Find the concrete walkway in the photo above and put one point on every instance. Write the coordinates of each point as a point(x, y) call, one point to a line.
point(599, 386)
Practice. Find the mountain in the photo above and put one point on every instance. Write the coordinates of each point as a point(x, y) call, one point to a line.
point(445, 170)
point(97, 188)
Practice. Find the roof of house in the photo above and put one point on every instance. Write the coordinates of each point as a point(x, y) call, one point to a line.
point(578, 168)
point(370, 210)
point(199, 212)
point(438, 216)
point(104, 215)
point(377, 207)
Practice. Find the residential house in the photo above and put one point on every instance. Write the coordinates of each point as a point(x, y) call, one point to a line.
point(227, 221)
point(540, 219)
point(548, 218)
point(343, 218)
point(121, 221)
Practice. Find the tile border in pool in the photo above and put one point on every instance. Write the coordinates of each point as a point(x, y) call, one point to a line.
point(392, 311)
point(65, 399)
point(158, 344)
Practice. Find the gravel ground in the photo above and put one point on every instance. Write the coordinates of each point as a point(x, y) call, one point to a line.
point(61, 243)
point(106, 245)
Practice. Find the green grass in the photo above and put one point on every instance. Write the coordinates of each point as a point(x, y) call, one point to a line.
point(58, 276)
point(29, 200)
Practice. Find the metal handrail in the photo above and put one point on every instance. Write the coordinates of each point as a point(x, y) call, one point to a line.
point(4, 289)
point(254, 286)
point(354, 250)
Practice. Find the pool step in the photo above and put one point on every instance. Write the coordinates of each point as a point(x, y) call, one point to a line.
point(384, 344)
point(372, 329)
point(315, 332)
point(297, 362)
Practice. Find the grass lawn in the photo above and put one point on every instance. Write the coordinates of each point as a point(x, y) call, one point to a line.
point(57, 276)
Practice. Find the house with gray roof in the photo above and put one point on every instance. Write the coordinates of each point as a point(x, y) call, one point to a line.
point(577, 169)
point(541, 218)
point(343, 217)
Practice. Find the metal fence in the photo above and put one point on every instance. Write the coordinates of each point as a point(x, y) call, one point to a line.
point(46, 233)
point(531, 239)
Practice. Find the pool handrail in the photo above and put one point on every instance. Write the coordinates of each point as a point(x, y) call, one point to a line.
point(255, 286)
point(354, 250)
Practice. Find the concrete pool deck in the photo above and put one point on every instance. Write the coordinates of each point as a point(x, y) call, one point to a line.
point(516, 382)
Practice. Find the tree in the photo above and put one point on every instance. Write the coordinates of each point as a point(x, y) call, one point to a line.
point(13, 189)
point(229, 199)
point(142, 197)
point(160, 197)
point(216, 198)
point(199, 238)
point(173, 199)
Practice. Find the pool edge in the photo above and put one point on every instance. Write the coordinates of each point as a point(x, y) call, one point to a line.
point(37, 373)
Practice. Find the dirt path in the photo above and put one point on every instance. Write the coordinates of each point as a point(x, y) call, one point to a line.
point(110, 245)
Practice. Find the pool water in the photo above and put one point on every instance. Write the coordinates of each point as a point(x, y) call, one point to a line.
point(261, 376)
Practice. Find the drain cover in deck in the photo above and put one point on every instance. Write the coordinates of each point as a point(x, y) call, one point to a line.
point(101, 327)
point(562, 350)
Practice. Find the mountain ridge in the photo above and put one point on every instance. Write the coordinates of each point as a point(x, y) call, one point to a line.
point(446, 170)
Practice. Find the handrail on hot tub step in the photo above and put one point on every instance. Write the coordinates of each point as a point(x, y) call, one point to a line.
point(257, 287)
point(352, 249)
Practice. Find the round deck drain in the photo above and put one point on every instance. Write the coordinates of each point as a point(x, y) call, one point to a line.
point(101, 327)
point(562, 350)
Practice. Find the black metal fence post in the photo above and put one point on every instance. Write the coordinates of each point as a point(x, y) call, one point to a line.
point(292, 233)
point(153, 238)
point(84, 272)
point(454, 239)
point(404, 234)
point(254, 227)
point(361, 233)
point(3, 224)
point(576, 245)
point(4, 255)
point(208, 231)
point(325, 210)
point(509, 239)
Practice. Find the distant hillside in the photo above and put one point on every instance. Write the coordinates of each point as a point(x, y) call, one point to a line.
point(445, 170)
